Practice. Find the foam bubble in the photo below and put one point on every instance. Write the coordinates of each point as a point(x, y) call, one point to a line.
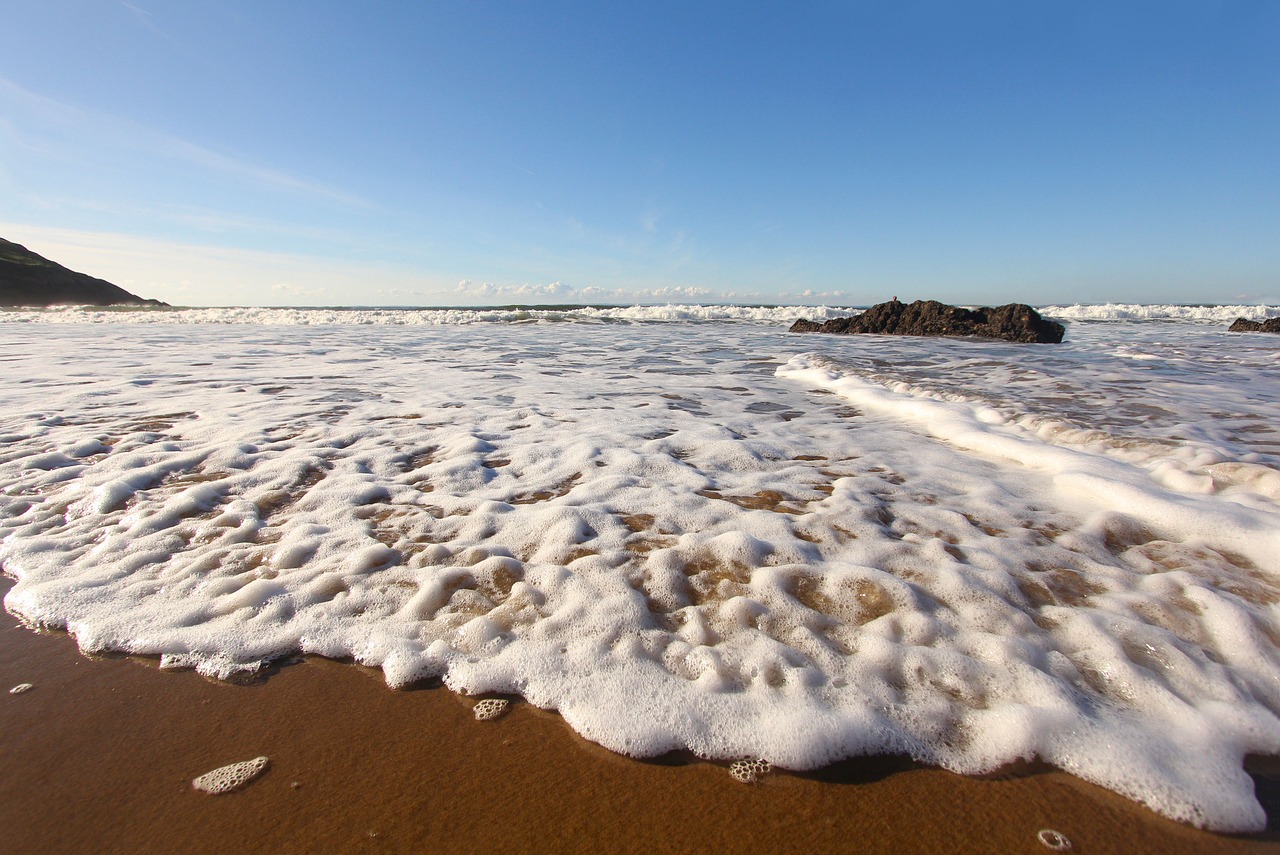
point(490, 708)
point(1055, 840)
point(749, 771)
point(231, 777)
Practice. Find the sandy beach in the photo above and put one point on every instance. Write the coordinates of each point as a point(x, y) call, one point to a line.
point(99, 756)
point(847, 427)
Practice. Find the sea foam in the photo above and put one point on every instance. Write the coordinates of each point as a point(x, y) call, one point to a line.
point(706, 535)
point(1135, 311)
point(422, 317)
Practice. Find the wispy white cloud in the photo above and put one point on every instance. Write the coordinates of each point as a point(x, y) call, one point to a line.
point(646, 241)
point(55, 126)
point(214, 224)
point(231, 165)
point(145, 18)
point(293, 291)
point(558, 292)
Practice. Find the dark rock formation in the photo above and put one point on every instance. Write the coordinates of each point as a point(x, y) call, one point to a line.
point(27, 279)
point(1012, 322)
point(1246, 325)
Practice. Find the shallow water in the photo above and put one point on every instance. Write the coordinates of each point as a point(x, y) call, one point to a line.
point(698, 532)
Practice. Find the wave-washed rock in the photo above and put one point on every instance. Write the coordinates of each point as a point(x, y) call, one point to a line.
point(28, 279)
point(1246, 325)
point(1011, 322)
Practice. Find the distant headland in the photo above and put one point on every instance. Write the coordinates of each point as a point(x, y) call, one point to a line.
point(28, 279)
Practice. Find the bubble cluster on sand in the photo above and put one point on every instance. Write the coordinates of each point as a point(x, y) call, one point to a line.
point(1055, 840)
point(233, 776)
point(749, 770)
point(707, 536)
point(490, 708)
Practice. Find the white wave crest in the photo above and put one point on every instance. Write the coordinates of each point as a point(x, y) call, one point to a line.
point(776, 315)
point(1139, 312)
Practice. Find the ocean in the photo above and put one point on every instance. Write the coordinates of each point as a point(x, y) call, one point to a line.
point(683, 527)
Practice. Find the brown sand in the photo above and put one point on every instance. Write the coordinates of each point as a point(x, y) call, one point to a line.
point(99, 757)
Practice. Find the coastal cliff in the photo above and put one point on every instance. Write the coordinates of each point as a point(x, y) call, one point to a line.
point(28, 279)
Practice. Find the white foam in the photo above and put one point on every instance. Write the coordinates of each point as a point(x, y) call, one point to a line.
point(683, 313)
point(1156, 494)
point(1055, 840)
point(490, 708)
point(749, 771)
point(233, 776)
point(696, 534)
point(1137, 311)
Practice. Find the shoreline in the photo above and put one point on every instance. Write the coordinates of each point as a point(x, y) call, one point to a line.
point(99, 756)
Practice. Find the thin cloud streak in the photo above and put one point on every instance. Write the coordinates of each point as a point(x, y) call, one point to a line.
point(88, 124)
point(145, 18)
point(561, 293)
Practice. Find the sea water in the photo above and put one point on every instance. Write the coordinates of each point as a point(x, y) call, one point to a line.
point(685, 527)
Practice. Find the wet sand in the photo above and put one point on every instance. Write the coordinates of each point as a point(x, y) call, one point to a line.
point(100, 754)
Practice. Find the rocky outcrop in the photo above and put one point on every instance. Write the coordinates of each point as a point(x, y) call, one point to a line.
point(1011, 322)
point(28, 279)
point(1246, 325)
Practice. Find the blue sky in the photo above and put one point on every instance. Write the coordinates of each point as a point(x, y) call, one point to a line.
point(338, 153)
